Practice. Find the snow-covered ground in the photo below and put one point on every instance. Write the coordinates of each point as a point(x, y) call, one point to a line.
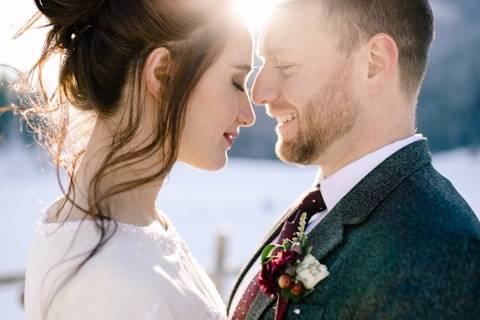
point(242, 200)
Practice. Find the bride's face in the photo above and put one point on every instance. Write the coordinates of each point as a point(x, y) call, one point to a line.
point(219, 106)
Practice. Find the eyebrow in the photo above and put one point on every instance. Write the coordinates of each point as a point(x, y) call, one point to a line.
point(243, 67)
point(270, 52)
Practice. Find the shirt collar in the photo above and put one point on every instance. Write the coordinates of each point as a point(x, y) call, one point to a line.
point(335, 187)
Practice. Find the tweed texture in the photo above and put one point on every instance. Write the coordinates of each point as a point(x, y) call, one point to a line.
point(403, 244)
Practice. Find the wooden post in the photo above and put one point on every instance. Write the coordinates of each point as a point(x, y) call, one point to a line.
point(12, 279)
point(221, 271)
point(6, 280)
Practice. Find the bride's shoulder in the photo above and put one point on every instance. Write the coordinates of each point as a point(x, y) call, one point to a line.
point(62, 210)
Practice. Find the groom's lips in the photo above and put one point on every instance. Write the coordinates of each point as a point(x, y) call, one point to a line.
point(286, 118)
point(285, 124)
point(283, 118)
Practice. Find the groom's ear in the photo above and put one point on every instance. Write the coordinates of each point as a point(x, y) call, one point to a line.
point(382, 53)
point(156, 70)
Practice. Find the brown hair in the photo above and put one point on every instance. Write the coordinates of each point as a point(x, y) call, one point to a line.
point(103, 47)
point(409, 22)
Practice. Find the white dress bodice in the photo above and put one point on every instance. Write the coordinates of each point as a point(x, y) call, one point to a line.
point(140, 273)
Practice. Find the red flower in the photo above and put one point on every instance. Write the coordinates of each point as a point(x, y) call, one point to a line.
point(273, 269)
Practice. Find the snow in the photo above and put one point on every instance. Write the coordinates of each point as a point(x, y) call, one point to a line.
point(242, 201)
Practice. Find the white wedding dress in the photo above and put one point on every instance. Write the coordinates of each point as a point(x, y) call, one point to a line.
point(141, 273)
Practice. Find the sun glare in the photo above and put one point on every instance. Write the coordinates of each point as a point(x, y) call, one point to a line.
point(254, 12)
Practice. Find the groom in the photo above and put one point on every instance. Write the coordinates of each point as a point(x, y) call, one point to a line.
point(342, 78)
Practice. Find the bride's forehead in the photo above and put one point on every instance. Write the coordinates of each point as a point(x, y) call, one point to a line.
point(239, 48)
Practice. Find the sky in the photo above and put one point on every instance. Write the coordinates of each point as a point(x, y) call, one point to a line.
point(23, 52)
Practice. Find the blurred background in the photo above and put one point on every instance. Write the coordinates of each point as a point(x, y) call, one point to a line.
point(255, 187)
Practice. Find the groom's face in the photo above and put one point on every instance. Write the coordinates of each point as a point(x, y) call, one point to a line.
point(305, 83)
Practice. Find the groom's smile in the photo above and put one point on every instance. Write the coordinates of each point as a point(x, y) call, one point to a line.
point(287, 125)
point(286, 118)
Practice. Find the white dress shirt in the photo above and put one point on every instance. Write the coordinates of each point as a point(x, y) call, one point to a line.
point(333, 189)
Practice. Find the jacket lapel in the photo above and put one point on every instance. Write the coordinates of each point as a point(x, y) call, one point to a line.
point(268, 239)
point(356, 206)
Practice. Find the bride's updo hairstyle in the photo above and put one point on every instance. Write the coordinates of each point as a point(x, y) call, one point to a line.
point(103, 46)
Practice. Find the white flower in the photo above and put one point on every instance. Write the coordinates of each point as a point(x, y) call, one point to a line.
point(310, 272)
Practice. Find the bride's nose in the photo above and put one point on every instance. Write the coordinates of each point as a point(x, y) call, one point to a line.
point(246, 116)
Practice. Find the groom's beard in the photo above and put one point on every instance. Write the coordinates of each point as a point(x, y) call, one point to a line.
point(329, 116)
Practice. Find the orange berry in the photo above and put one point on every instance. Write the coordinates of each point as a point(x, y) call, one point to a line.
point(284, 281)
point(297, 289)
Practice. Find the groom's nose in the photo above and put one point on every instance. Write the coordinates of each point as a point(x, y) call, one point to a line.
point(263, 90)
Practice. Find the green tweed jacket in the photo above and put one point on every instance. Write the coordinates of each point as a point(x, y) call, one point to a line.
point(403, 244)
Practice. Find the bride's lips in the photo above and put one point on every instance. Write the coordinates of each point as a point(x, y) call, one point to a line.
point(230, 137)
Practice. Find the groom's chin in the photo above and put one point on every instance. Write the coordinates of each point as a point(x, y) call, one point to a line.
point(294, 152)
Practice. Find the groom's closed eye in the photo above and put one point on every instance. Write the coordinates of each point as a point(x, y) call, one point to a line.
point(283, 67)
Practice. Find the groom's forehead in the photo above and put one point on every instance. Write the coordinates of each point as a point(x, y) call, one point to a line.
point(289, 28)
point(275, 38)
point(272, 44)
point(282, 35)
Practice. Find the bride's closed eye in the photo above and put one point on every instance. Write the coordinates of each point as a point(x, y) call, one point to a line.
point(238, 86)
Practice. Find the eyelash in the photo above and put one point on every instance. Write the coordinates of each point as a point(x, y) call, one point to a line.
point(238, 86)
point(283, 68)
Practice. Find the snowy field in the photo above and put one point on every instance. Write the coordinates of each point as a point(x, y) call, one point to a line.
point(242, 200)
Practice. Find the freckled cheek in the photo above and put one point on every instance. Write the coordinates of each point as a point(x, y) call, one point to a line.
point(228, 109)
point(218, 116)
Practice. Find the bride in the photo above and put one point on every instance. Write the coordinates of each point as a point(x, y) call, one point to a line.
point(157, 82)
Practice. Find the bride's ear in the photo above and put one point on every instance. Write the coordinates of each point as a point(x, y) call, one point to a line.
point(156, 70)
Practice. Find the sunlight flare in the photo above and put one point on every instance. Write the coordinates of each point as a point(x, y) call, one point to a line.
point(254, 12)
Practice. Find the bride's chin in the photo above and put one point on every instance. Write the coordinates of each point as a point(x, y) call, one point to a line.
point(218, 163)
point(210, 164)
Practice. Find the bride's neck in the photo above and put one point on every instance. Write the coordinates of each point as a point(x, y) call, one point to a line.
point(135, 206)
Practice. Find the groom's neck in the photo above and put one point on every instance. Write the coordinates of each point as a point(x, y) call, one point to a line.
point(365, 138)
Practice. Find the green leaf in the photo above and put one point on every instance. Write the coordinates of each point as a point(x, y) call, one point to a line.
point(303, 223)
point(285, 294)
point(267, 251)
point(304, 242)
point(287, 244)
point(296, 299)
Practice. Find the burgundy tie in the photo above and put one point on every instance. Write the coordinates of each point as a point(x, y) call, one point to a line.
point(311, 204)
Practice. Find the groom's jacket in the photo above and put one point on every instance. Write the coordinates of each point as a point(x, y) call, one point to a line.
point(402, 244)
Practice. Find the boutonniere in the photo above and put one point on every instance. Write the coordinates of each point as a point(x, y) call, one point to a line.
point(289, 271)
